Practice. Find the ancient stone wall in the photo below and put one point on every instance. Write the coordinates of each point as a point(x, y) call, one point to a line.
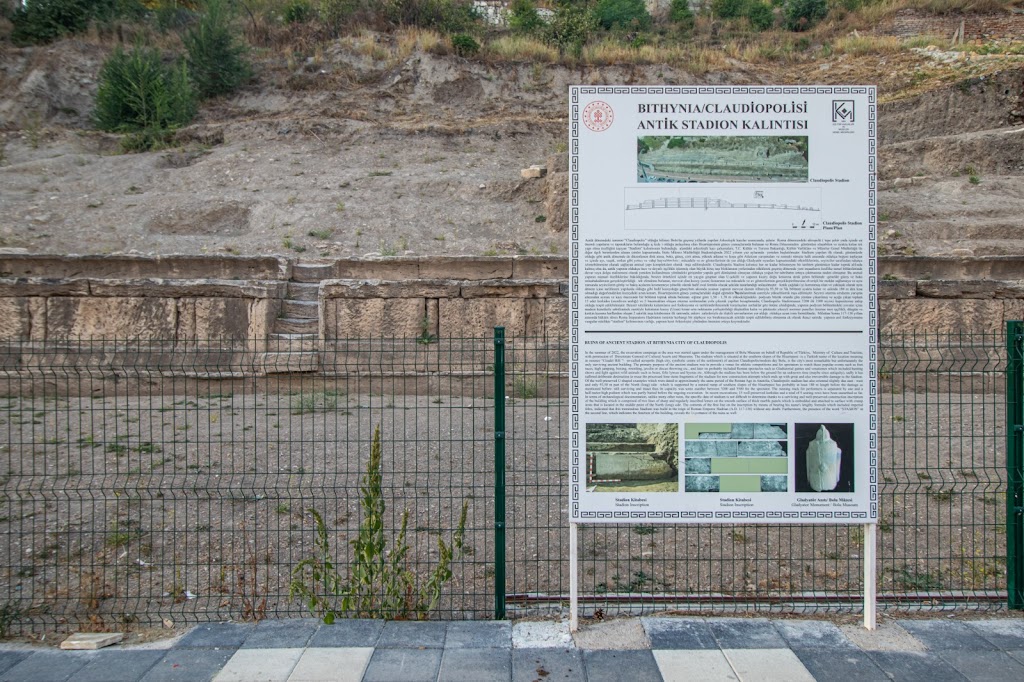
point(910, 22)
point(49, 298)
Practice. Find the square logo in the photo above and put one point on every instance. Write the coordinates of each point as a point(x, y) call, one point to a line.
point(842, 111)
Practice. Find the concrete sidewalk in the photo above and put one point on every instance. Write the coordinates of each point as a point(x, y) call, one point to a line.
point(633, 649)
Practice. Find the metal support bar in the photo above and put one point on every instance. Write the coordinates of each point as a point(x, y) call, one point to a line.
point(1015, 464)
point(499, 473)
point(870, 576)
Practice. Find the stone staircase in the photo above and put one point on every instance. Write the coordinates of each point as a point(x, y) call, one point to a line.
point(293, 340)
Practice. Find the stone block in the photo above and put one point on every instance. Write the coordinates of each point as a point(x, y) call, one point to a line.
point(540, 267)
point(634, 466)
point(90, 641)
point(200, 319)
point(895, 289)
point(939, 289)
point(95, 318)
point(172, 266)
point(511, 289)
point(467, 268)
point(556, 207)
point(534, 172)
point(39, 286)
point(949, 315)
point(15, 319)
point(478, 317)
point(425, 288)
point(374, 317)
point(556, 318)
point(163, 288)
point(377, 268)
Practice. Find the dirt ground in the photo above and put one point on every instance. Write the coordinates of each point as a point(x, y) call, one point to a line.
point(349, 154)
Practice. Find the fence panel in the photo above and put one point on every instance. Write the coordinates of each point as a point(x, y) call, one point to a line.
point(142, 481)
point(145, 481)
point(942, 539)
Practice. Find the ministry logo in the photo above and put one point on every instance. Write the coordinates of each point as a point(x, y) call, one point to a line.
point(842, 111)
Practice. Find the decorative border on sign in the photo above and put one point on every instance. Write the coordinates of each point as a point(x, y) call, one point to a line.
point(575, 514)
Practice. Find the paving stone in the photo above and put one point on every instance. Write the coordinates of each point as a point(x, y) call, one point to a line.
point(888, 636)
point(407, 665)
point(746, 633)
point(188, 665)
point(90, 641)
point(480, 665)
point(850, 666)
point(609, 665)
point(984, 666)
point(912, 666)
point(287, 633)
point(617, 633)
point(694, 665)
point(812, 634)
point(212, 635)
point(9, 659)
point(542, 634)
point(767, 665)
point(1004, 633)
point(349, 632)
point(479, 634)
point(48, 666)
point(412, 634)
point(259, 665)
point(119, 666)
point(547, 664)
point(679, 633)
point(942, 635)
point(342, 664)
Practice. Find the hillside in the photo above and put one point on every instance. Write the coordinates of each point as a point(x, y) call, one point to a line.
point(381, 143)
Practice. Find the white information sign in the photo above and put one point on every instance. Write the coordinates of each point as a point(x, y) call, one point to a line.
point(723, 305)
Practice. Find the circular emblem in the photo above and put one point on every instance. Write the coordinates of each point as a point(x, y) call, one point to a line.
point(598, 116)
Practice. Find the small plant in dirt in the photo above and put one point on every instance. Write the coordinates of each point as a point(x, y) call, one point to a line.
point(138, 94)
point(802, 15)
point(524, 387)
point(10, 614)
point(522, 17)
point(426, 337)
point(465, 45)
point(216, 56)
point(378, 583)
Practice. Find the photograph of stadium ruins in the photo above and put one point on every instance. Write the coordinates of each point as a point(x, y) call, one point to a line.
point(722, 159)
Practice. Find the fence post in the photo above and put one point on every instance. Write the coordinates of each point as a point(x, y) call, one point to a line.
point(1015, 464)
point(499, 473)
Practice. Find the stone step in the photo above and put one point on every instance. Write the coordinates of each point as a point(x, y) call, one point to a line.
point(300, 309)
point(278, 363)
point(298, 291)
point(295, 325)
point(312, 272)
point(285, 343)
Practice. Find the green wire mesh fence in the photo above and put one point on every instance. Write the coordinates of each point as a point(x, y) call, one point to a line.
point(143, 481)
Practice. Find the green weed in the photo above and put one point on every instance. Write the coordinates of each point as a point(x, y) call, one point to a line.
point(378, 584)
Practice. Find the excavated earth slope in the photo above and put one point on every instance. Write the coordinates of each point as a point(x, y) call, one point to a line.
point(351, 155)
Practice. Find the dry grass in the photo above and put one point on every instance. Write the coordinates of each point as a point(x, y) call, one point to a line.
point(409, 40)
point(512, 48)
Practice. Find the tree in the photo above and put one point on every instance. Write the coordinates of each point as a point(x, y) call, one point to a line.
point(626, 14)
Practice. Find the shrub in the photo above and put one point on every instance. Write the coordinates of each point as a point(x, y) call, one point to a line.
point(627, 14)
point(679, 13)
point(728, 9)
point(523, 17)
point(216, 58)
point(464, 45)
point(802, 15)
point(760, 15)
point(570, 29)
point(139, 94)
point(43, 21)
point(297, 12)
point(446, 16)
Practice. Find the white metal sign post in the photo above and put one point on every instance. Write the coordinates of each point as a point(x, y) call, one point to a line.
point(723, 313)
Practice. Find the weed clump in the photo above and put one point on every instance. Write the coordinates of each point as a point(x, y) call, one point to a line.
point(378, 583)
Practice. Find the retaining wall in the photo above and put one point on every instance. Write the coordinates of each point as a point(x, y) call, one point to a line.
point(187, 298)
